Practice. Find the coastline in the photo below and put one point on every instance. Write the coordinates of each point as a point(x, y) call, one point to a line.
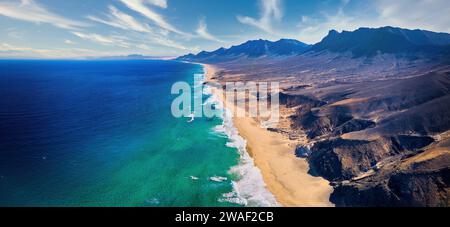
point(284, 175)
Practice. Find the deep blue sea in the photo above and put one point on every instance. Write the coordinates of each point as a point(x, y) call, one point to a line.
point(101, 133)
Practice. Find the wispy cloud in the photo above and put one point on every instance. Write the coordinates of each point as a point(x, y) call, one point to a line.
point(12, 51)
point(159, 3)
point(9, 47)
point(170, 43)
point(270, 11)
point(424, 14)
point(140, 7)
point(29, 10)
point(103, 40)
point(121, 20)
point(202, 32)
point(421, 14)
point(124, 21)
point(137, 40)
point(313, 29)
point(68, 41)
point(15, 33)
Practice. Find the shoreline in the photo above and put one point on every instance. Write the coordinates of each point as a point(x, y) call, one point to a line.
point(284, 175)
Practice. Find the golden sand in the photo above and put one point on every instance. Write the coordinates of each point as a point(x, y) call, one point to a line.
point(285, 175)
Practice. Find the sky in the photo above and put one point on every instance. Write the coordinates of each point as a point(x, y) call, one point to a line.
point(92, 28)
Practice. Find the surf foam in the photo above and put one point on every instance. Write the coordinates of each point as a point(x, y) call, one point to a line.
point(249, 188)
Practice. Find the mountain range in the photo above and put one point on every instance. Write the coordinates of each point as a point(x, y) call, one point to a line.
point(372, 104)
point(252, 49)
point(363, 42)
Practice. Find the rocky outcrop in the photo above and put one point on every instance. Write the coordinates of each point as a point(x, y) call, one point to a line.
point(340, 159)
point(417, 181)
point(333, 121)
point(302, 151)
point(296, 100)
point(353, 126)
point(371, 115)
point(391, 162)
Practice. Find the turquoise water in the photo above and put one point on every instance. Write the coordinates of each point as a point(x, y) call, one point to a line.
point(100, 133)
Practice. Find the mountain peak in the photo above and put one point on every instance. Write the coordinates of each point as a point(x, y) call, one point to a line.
point(333, 32)
point(362, 42)
point(252, 49)
point(391, 40)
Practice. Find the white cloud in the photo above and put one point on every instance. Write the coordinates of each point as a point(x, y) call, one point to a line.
point(424, 14)
point(159, 3)
point(15, 33)
point(169, 43)
point(202, 31)
point(143, 46)
point(313, 29)
point(137, 41)
point(28, 10)
point(68, 41)
point(270, 11)
point(140, 7)
point(121, 20)
point(124, 21)
point(9, 47)
point(420, 14)
point(104, 40)
point(13, 51)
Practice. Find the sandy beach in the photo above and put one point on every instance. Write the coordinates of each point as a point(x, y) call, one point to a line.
point(285, 175)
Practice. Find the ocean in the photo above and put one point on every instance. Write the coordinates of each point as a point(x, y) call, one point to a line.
point(101, 133)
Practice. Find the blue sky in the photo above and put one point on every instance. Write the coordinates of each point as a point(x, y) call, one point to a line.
point(80, 28)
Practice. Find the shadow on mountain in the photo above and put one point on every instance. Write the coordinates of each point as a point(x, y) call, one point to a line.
point(373, 103)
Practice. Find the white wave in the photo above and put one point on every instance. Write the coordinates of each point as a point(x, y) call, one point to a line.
point(207, 90)
point(232, 197)
point(192, 116)
point(153, 201)
point(218, 179)
point(249, 188)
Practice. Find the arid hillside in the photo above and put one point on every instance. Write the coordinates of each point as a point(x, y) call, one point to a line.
point(374, 108)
